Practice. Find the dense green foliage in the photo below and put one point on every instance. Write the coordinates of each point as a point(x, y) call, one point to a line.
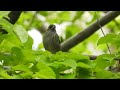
point(19, 61)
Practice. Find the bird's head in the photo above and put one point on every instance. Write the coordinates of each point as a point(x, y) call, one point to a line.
point(52, 27)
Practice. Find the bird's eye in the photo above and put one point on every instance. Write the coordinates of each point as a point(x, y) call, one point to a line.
point(52, 26)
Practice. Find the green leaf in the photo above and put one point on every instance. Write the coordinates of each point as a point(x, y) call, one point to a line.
point(41, 58)
point(9, 42)
point(60, 66)
point(106, 39)
point(10, 60)
point(103, 74)
point(102, 64)
point(21, 33)
point(16, 77)
point(28, 55)
point(44, 71)
point(45, 74)
point(109, 57)
point(83, 65)
point(63, 65)
point(104, 61)
point(78, 15)
point(14, 57)
point(27, 74)
point(70, 63)
point(4, 13)
point(28, 44)
point(6, 46)
point(4, 74)
point(64, 16)
point(41, 65)
point(84, 73)
point(6, 25)
point(68, 76)
point(2, 37)
point(17, 51)
point(116, 40)
point(83, 70)
point(2, 55)
point(21, 67)
point(78, 57)
point(44, 13)
point(17, 55)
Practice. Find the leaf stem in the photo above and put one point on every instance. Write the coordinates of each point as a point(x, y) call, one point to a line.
point(102, 32)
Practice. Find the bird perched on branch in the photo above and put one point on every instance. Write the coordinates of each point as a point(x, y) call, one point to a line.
point(51, 40)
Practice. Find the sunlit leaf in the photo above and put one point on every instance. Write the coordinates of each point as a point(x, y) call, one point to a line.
point(4, 74)
point(104, 61)
point(106, 39)
point(21, 68)
point(6, 25)
point(28, 44)
point(44, 13)
point(21, 33)
point(103, 74)
point(68, 76)
point(44, 71)
point(27, 74)
point(71, 63)
point(83, 65)
point(4, 13)
point(64, 16)
point(9, 42)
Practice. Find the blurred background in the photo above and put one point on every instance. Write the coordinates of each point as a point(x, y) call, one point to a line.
point(68, 23)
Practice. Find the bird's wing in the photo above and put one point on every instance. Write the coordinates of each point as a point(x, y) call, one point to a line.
point(57, 42)
point(45, 40)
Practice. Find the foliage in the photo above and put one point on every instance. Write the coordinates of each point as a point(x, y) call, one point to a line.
point(19, 61)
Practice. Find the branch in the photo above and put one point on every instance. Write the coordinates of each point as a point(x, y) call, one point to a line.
point(13, 17)
point(92, 57)
point(32, 20)
point(71, 42)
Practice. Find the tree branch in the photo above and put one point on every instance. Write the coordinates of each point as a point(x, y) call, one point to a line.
point(71, 42)
point(92, 57)
point(32, 20)
point(13, 17)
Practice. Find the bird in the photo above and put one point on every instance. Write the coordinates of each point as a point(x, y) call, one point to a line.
point(51, 40)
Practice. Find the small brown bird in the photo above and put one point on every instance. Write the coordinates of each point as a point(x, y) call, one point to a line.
point(51, 40)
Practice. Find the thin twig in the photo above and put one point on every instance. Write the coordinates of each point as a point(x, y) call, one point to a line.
point(33, 18)
point(102, 32)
